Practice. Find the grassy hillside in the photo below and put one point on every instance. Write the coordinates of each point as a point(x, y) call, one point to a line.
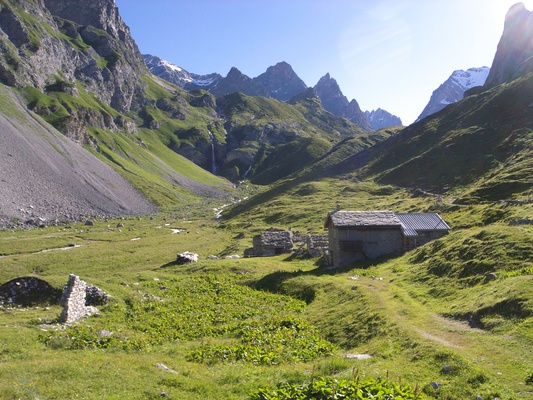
point(482, 144)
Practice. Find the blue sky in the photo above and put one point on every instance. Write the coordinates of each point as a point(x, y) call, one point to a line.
point(383, 53)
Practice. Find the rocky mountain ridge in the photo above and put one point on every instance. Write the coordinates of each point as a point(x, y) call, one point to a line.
point(335, 102)
point(379, 119)
point(454, 88)
point(278, 82)
point(179, 76)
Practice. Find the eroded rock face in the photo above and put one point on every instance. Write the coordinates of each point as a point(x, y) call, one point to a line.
point(514, 55)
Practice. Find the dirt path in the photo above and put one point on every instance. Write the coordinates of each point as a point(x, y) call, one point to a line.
point(491, 352)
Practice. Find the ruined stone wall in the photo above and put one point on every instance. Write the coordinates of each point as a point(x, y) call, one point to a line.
point(73, 301)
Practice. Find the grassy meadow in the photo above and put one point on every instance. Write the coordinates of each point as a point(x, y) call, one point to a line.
point(275, 327)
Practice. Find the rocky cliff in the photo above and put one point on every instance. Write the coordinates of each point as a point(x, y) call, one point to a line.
point(89, 43)
point(514, 55)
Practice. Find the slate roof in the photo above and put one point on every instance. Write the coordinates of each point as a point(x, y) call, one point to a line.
point(276, 239)
point(411, 224)
point(342, 218)
point(420, 222)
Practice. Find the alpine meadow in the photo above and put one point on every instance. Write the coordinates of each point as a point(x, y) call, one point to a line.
point(166, 234)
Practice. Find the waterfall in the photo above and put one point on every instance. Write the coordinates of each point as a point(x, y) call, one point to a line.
point(213, 163)
point(247, 172)
point(245, 175)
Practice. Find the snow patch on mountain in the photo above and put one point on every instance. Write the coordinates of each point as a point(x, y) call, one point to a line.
point(470, 78)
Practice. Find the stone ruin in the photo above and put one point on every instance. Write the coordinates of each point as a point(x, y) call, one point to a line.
point(26, 291)
point(74, 301)
point(78, 299)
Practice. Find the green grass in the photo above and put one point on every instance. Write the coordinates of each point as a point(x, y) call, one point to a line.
point(413, 321)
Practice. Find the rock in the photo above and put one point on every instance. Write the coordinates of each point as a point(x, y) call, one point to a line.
point(212, 257)
point(435, 385)
point(186, 257)
point(491, 276)
point(232, 256)
point(105, 333)
point(165, 368)
point(89, 223)
point(447, 369)
point(94, 296)
point(358, 356)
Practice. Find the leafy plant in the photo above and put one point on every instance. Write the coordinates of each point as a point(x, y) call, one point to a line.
point(325, 388)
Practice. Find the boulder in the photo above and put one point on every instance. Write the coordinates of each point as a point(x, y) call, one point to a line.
point(187, 257)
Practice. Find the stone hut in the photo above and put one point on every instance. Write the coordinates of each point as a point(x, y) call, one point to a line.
point(271, 243)
point(359, 235)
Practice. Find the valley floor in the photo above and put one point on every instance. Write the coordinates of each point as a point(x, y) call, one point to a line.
point(171, 323)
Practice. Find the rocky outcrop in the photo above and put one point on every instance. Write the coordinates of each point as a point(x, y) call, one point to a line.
point(514, 55)
point(454, 88)
point(82, 49)
point(96, 48)
point(336, 103)
point(379, 119)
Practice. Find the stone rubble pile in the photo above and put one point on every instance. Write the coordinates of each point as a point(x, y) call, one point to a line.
point(25, 291)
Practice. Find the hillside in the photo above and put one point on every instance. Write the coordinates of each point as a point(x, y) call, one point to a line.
point(60, 180)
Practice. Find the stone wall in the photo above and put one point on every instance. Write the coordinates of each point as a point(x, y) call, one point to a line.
point(73, 301)
point(374, 243)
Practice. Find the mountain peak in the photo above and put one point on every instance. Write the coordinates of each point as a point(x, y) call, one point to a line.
point(281, 82)
point(234, 72)
point(336, 102)
point(379, 119)
point(454, 88)
point(514, 55)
